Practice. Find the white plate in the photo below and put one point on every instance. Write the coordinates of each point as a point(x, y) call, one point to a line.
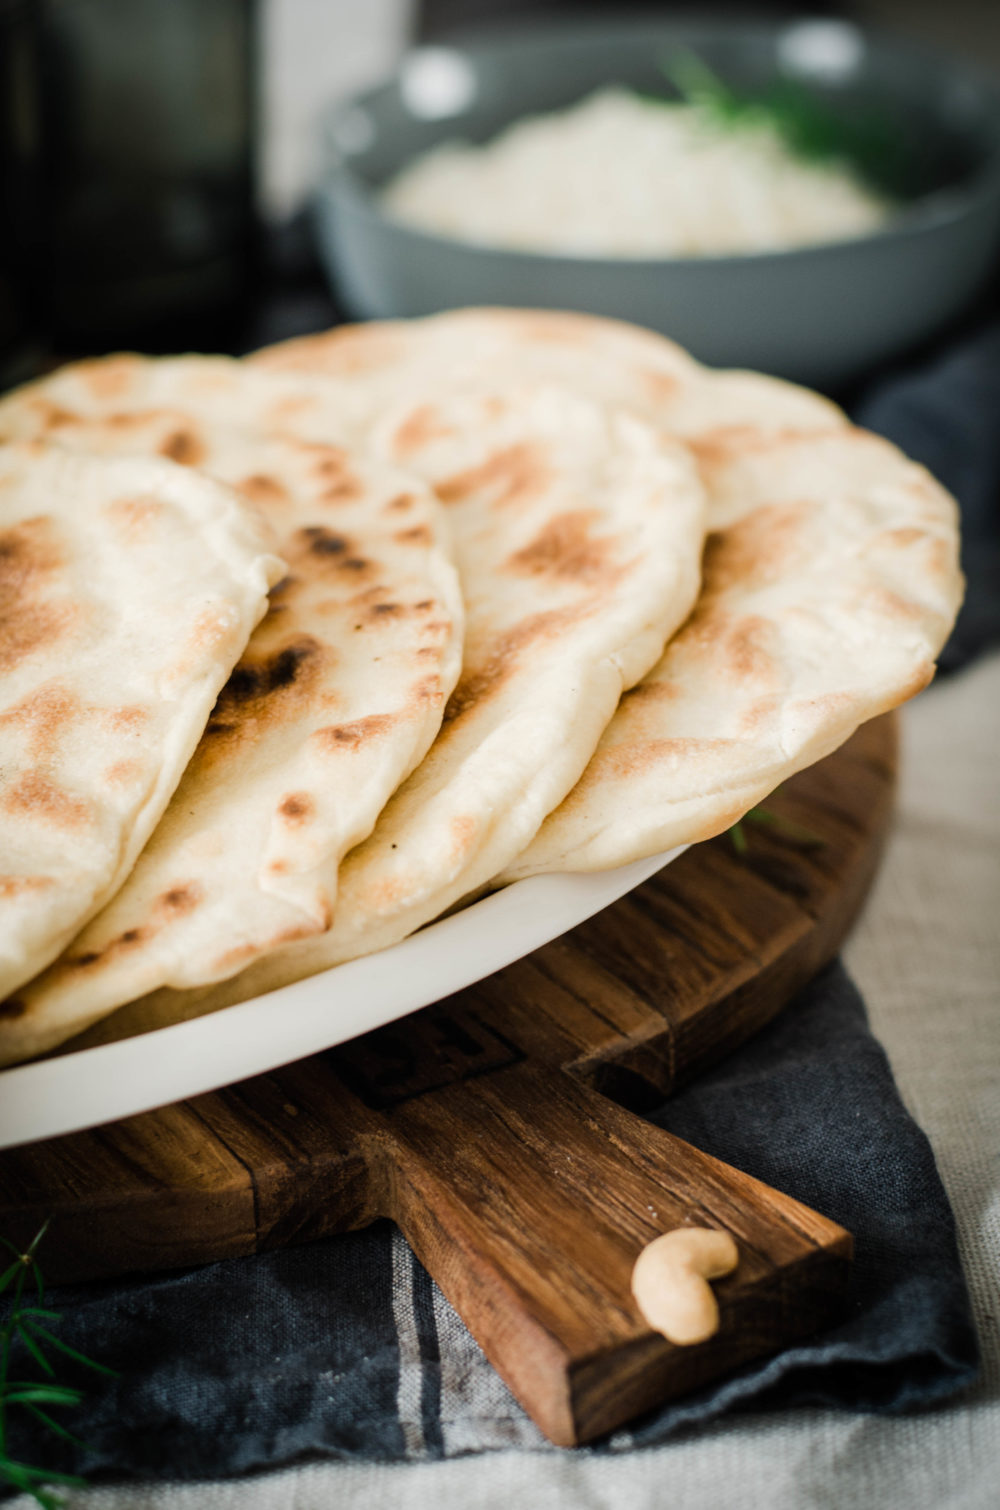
point(92, 1086)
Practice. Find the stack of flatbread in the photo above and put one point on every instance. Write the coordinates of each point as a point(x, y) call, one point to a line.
point(298, 653)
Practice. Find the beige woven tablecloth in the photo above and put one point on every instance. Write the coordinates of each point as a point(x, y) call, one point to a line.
point(927, 958)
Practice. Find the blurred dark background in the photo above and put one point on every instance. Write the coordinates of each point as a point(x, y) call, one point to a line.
point(156, 155)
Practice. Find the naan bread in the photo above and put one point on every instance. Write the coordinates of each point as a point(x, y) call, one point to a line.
point(128, 589)
point(578, 537)
point(831, 573)
point(498, 350)
point(190, 396)
point(337, 698)
point(792, 490)
point(831, 582)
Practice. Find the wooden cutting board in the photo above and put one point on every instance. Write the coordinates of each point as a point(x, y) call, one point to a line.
point(498, 1127)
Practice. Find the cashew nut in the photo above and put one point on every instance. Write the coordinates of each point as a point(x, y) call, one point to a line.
point(669, 1281)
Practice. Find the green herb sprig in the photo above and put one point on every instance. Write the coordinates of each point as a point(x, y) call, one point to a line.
point(810, 126)
point(763, 817)
point(30, 1326)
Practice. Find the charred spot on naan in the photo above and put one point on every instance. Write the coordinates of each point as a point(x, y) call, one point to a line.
point(43, 718)
point(261, 692)
point(120, 945)
point(132, 419)
point(760, 715)
point(372, 607)
point(253, 681)
point(345, 489)
point(738, 647)
point(353, 735)
point(722, 444)
point(128, 719)
point(749, 650)
point(332, 478)
point(330, 462)
point(15, 886)
point(486, 673)
point(184, 447)
point(328, 475)
point(421, 426)
point(420, 534)
point(30, 618)
point(179, 899)
point(263, 489)
point(893, 606)
point(317, 540)
point(124, 772)
point(929, 557)
point(137, 517)
point(464, 832)
point(297, 808)
point(50, 416)
point(660, 387)
point(514, 474)
point(902, 537)
point(34, 795)
point(565, 548)
point(632, 758)
point(315, 547)
point(435, 629)
point(108, 377)
point(759, 548)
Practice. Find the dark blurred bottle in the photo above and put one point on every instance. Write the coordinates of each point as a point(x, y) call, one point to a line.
point(133, 171)
point(19, 347)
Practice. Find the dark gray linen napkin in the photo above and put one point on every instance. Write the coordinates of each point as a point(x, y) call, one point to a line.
point(345, 1348)
point(330, 1349)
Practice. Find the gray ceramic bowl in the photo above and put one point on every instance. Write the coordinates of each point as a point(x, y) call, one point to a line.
point(819, 314)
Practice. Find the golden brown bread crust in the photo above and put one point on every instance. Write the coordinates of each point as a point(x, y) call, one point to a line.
point(33, 612)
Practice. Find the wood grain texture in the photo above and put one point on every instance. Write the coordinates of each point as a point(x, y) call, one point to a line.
point(497, 1128)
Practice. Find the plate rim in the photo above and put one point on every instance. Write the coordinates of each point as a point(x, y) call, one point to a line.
point(90, 1087)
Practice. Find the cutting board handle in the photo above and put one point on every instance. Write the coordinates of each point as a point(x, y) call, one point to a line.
point(529, 1197)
